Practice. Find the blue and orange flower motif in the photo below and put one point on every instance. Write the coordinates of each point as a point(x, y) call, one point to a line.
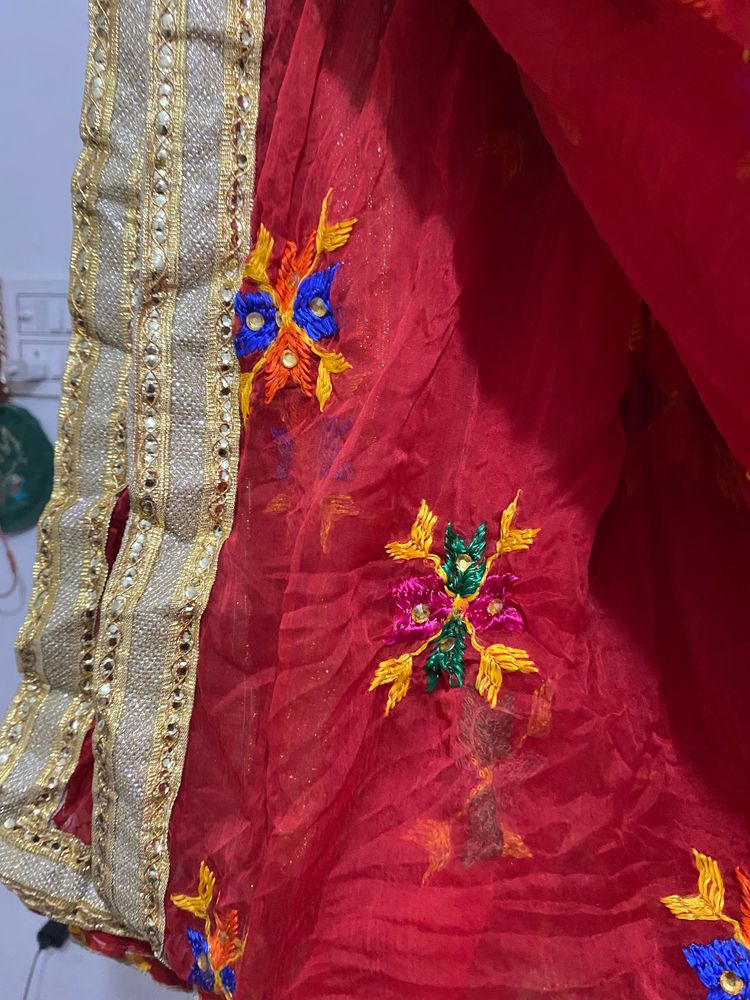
point(461, 599)
point(287, 317)
point(723, 966)
point(219, 946)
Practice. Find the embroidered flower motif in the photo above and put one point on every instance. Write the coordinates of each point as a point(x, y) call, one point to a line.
point(288, 316)
point(459, 600)
point(724, 965)
point(219, 946)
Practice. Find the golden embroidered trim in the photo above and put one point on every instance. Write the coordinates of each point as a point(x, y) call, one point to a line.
point(36, 816)
point(130, 827)
point(93, 918)
point(149, 480)
point(243, 46)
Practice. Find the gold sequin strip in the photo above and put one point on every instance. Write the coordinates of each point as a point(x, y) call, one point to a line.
point(203, 109)
point(244, 36)
point(81, 913)
point(149, 480)
point(32, 827)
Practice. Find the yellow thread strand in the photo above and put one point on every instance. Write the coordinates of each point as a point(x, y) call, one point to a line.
point(419, 543)
point(246, 388)
point(709, 903)
point(256, 268)
point(199, 905)
point(493, 662)
point(331, 237)
point(397, 672)
point(330, 364)
point(473, 636)
point(510, 539)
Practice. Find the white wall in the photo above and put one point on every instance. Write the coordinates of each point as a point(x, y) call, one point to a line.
point(42, 55)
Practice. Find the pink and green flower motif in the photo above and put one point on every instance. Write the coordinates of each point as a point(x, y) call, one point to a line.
point(453, 606)
point(723, 966)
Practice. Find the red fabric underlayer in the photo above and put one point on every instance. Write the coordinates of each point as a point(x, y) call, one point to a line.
point(509, 224)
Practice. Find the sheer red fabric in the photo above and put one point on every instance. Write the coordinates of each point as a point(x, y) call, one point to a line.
point(649, 119)
point(490, 303)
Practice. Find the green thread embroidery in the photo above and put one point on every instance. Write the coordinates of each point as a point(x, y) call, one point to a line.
point(459, 600)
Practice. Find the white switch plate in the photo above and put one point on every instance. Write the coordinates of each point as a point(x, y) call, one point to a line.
point(37, 325)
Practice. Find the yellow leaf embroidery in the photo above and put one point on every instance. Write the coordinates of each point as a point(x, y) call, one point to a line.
point(709, 903)
point(329, 364)
point(514, 539)
point(323, 387)
point(493, 662)
point(690, 908)
point(246, 388)
point(397, 673)
point(420, 538)
point(710, 882)
point(198, 905)
point(256, 268)
point(331, 237)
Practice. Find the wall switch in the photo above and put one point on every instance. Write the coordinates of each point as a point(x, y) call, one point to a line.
point(37, 325)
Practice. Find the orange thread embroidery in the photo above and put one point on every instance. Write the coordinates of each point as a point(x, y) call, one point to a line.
point(220, 946)
point(287, 317)
point(435, 837)
point(333, 508)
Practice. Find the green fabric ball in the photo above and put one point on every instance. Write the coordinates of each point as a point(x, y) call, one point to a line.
point(26, 468)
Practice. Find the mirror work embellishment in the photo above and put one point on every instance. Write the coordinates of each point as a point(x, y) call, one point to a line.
point(724, 965)
point(452, 606)
point(285, 320)
point(219, 946)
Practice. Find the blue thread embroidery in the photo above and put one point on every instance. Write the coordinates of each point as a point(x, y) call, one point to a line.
point(316, 286)
point(722, 963)
point(248, 340)
point(201, 974)
point(228, 981)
